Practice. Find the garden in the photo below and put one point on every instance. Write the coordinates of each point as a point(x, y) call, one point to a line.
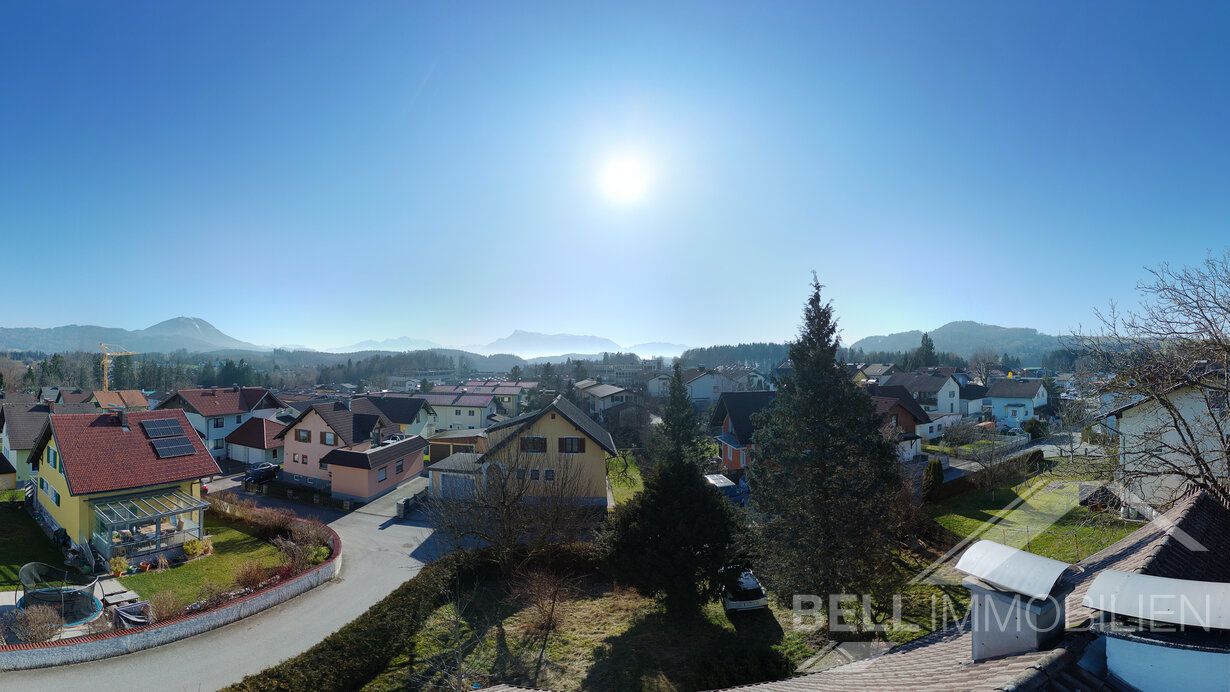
point(21, 542)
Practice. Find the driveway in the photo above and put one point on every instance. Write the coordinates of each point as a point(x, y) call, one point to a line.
point(379, 553)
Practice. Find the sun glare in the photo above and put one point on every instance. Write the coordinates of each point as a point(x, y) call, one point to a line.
point(625, 179)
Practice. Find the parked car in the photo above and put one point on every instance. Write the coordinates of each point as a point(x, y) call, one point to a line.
point(747, 595)
point(261, 473)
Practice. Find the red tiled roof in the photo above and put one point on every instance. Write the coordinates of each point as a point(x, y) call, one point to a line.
point(257, 433)
point(223, 401)
point(100, 456)
point(121, 398)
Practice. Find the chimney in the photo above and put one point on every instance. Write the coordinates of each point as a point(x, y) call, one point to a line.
point(1016, 599)
point(122, 416)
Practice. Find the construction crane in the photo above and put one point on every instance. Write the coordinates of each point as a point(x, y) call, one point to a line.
point(110, 351)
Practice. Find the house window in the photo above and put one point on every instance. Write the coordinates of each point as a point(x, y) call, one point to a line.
point(471, 412)
point(534, 474)
point(238, 420)
point(328, 438)
point(548, 474)
point(457, 412)
point(534, 445)
point(572, 445)
point(303, 435)
point(323, 465)
point(218, 423)
point(219, 442)
point(892, 420)
point(274, 454)
point(400, 467)
point(295, 458)
point(930, 428)
point(53, 457)
point(522, 474)
point(303, 458)
point(382, 475)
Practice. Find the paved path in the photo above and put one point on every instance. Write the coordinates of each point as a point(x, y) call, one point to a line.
point(379, 553)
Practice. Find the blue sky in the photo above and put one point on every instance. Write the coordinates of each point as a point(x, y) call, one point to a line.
point(321, 173)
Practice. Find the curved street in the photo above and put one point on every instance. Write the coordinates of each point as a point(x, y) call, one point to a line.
point(379, 552)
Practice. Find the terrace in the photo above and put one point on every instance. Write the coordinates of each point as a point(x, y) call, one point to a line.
point(146, 524)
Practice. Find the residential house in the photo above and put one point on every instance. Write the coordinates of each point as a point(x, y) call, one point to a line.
point(937, 393)
point(256, 442)
point(959, 374)
point(321, 429)
point(658, 386)
point(217, 411)
point(460, 411)
point(363, 475)
point(446, 443)
point(896, 406)
point(705, 386)
point(20, 425)
point(877, 373)
point(597, 398)
point(125, 483)
point(131, 399)
point(73, 396)
point(411, 416)
point(733, 415)
point(972, 397)
point(939, 423)
point(558, 443)
point(1015, 401)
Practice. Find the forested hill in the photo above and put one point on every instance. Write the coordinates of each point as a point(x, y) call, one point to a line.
point(965, 336)
point(762, 356)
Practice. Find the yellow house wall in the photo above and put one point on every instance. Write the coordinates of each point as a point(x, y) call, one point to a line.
point(590, 466)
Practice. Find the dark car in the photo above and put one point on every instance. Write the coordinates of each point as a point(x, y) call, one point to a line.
point(261, 473)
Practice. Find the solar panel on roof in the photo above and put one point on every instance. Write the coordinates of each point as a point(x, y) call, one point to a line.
point(162, 427)
point(168, 447)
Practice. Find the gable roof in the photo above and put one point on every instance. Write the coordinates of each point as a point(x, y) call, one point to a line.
point(571, 413)
point(460, 462)
point(257, 433)
point(222, 401)
point(74, 396)
point(971, 392)
point(377, 456)
point(898, 396)
point(602, 391)
point(120, 398)
point(351, 427)
point(6, 467)
point(740, 406)
point(402, 410)
point(1014, 389)
point(918, 382)
point(879, 369)
point(99, 455)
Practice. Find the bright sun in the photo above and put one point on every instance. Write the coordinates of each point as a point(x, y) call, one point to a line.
point(625, 179)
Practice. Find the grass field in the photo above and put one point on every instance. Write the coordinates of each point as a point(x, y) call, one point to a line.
point(1041, 515)
point(22, 541)
point(624, 486)
point(234, 544)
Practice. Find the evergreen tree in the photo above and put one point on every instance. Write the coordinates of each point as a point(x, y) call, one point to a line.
point(209, 377)
point(673, 539)
point(824, 473)
point(425, 385)
point(515, 373)
point(933, 479)
point(926, 352)
point(679, 435)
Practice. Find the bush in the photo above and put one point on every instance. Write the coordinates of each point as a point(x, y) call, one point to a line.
point(319, 554)
point(207, 546)
point(311, 533)
point(165, 604)
point(35, 624)
point(1036, 428)
point(272, 523)
point(249, 575)
point(298, 557)
point(118, 564)
point(193, 548)
point(933, 479)
point(163, 563)
point(210, 595)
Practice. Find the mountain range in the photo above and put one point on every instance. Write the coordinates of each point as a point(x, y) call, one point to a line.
point(963, 337)
point(401, 343)
point(191, 333)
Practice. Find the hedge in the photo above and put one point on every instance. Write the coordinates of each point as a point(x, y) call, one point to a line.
point(354, 655)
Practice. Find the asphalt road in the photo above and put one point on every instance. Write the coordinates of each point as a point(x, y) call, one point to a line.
point(379, 553)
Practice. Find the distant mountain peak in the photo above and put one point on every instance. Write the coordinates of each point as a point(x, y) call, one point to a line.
point(189, 333)
point(963, 336)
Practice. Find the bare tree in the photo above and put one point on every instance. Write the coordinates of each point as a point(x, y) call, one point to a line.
point(1166, 366)
point(544, 590)
point(520, 503)
point(981, 362)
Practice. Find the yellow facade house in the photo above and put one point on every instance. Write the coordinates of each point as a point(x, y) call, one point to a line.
point(125, 484)
point(556, 445)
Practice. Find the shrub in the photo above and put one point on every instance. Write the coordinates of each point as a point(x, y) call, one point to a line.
point(933, 479)
point(210, 595)
point(1036, 428)
point(310, 532)
point(118, 563)
point(298, 557)
point(272, 523)
point(163, 563)
point(249, 575)
point(193, 548)
point(207, 546)
point(319, 554)
point(35, 624)
point(165, 604)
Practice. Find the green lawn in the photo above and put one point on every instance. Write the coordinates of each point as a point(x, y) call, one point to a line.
point(22, 541)
point(624, 485)
point(1045, 518)
point(234, 544)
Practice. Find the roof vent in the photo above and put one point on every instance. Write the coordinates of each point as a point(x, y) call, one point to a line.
point(1016, 598)
point(1182, 602)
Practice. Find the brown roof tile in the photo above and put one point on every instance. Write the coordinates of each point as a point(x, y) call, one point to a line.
point(257, 433)
point(222, 401)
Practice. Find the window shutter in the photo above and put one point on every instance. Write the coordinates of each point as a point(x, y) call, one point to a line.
point(524, 445)
point(562, 448)
point(580, 445)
